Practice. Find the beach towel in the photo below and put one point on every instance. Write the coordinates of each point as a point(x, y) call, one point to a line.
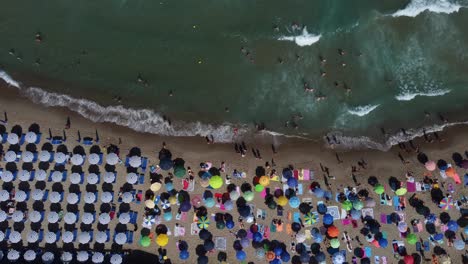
point(346, 222)
point(272, 227)
point(343, 213)
point(418, 186)
point(396, 203)
point(296, 217)
point(266, 232)
point(402, 215)
point(300, 189)
point(274, 177)
point(194, 229)
point(305, 174)
point(368, 252)
point(289, 229)
point(301, 175)
point(383, 218)
point(367, 212)
point(411, 186)
point(383, 201)
point(296, 174)
point(279, 227)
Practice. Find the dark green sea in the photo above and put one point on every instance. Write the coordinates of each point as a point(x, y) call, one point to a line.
point(375, 64)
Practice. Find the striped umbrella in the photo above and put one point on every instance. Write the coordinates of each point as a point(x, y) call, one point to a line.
point(310, 218)
point(446, 203)
point(203, 222)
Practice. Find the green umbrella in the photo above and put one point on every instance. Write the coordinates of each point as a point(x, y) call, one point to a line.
point(259, 188)
point(411, 239)
point(216, 182)
point(379, 189)
point(145, 241)
point(401, 191)
point(248, 196)
point(179, 172)
point(347, 205)
point(203, 222)
point(335, 243)
point(358, 205)
point(220, 225)
point(310, 218)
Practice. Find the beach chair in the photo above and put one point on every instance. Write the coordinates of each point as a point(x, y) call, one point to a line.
point(368, 251)
point(7, 233)
point(46, 195)
point(38, 138)
point(141, 179)
point(49, 179)
point(41, 235)
point(61, 197)
point(297, 217)
point(79, 197)
point(42, 215)
point(91, 235)
point(82, 178)
point(144, 164)
point(52, 155)
point(108, 235)
point(4, 138)
point(426, 246)
point(32, 175)
point(138, 196)
point(27, 195)
point(35, 156)
point(100, 158)
point(57, 235)
point(64, 176)
point(130, 237)
point(75, 234)
point(133, 217)
point(21, 140)
point(127, 161)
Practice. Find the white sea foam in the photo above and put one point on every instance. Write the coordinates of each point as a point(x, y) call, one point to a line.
point(305, 39)
point(416, 7)
point(408, 96)
point(8, 79)
point(362, 110)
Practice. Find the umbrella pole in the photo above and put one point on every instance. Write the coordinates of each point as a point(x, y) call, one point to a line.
point(64, 136)
point(50, 134)
point(97, 136)
point(79, 136)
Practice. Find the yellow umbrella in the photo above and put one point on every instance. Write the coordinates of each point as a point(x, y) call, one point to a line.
point(282, 200)
point(401, 191)
point(264, 180)
point(172, 200)
point(155, 186)
point(162, 240)
point(149, 204)
point(216, 182)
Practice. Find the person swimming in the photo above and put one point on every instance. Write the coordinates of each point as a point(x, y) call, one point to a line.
point(38, 37)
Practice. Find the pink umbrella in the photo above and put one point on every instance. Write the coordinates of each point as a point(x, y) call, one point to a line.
point(196, 200)
point(430, 165)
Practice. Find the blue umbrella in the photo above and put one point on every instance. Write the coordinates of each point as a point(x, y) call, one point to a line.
point(202, 260)
point(452, 225)
point(287, 173)
point(185, 206)
point(165, 164)
point(169, 186)
point(294, 202)
point(184, 254)
point(206, 175)
point(245, 242)
point(240, 255)
point(328, 219)
point(208, 245)
point(167, 216)
point(304, 257)
point(438, 237)
point(320, 257)
point(210, 202)
point(459, 244)
point(322, 208)
point(318, 238)
point(275, 261)
point(292, 182)
point(278, 251)
point(230, 224)
point(338, 258)
point(285, 257)
point(355, 214)
point(319, 192)
point(383, 243)
point(257, 237)
point(229, 205)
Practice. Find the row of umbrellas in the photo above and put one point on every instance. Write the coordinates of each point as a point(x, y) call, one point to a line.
point(29, 137)
point(48, 257)
point(60, 157)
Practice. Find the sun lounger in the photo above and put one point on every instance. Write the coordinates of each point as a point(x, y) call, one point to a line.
point(108, 235)
point(75, 234)
point(7, 233)
point(41, 235)
point(144, 164)
point(21, 140)
point(4, 137)
point(46, 195)
point(127, 161)
point(58, 234)
point(141, 179)
point(289, 229)
point(300, 189)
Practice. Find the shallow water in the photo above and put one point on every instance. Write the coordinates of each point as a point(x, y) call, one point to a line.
point(400, 61)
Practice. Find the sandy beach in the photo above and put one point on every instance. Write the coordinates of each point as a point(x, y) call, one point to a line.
point(297, 153)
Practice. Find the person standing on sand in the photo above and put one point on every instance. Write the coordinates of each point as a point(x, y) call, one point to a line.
point(5, 120)
point(338, 158)
point(68, 124)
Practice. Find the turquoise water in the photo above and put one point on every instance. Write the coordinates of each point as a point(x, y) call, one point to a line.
point(399, 61)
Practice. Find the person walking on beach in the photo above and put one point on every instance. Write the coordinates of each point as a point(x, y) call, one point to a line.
point(258, 154)
point(402, 159)
point(338, 158)
point(5, 120)
point(68, 124)
point(254, 153)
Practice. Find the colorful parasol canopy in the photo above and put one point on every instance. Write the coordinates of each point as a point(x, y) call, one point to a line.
point(203, 222)
point(216, 182)
point(310, 218)
point(162, 240)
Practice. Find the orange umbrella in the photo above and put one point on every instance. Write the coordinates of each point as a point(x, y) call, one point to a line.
point(333, 231)
point(270, 255)
point(450, 172)
point(375, 242)
point(264, 180)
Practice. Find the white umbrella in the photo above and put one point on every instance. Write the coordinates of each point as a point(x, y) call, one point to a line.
point(57, 176)
point(124, 218)
point(52, 217)
point(69, 218)
point(66, 256)
point(33, 236)
point(106, 197)
point(3, 215)
point(2, 237)
point(41, 175)
point(98, 257)
point(12, 139)
point(93, 158)
point(30, 137)
point(15, 237)
point(135, 161)
point(87, 218)
point(92, 178)
point(84, 237)
point(112, 159)
point(7, 176)
point(4, 195)
point(50, 237)
point(17, 216)
point(90, 197)
point(44, 156)
point(13, 255)
point(101, 237)
point(82, 256)
point(35, 216)
point(10, 156)
point(48, 257)
point(77, 159)
point(109, 177)
point(127, 197)
point(121, 238)
point(55, 197)
point(60, 157)
point(67, 237)
point(72, 198)
point(104, 218)
point(27, 156)
point(20, 196)
point(75, 178)
point(37, 194)
point(24, 175)
point(116, 259)
point(29, 255)
point(132, 178)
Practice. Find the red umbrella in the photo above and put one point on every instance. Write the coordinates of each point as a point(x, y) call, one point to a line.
point(409, 259)
point(333, 231)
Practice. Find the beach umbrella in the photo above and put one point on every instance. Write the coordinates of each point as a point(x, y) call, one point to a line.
point(228, 205)
point(101, 237)
point(4, 195)
point(127, 197)
point(208, 245)
point(319, 192)
point(121, 238)
point(202, 260)
point(17, 216)
point(184, 255)
point(333, 231)
point(259, 188)
point(20, 196)
point(29, 255)
point(165, 164)
point(124, 218)
point(167, 216)
point(359, 252)
point(292, 182)
point(338, 258)
point(75, 178)
point(241, 255)
point(220, 224)
point(32, 237)
point(135, 161)
point(430, 165)
point(294, 202)
point(282, 200)
point(156, 186)
point(109, 177)
point(89, 197)
point(12, 139)
point(35, 216)
point(44, 156)
point(264, 180)
point(216, 182)
point(379, 189)
point(77, 159)
point(70, 218)
point(52, 217)
point(234, 195)
point(203, 222)
point(185, 206)
point(210, 202)
point(67, 237)
point(459, 244)
point(295, 226)
point(104, 218)
point(97, 257)
point(106, 197)
point(132, 178)
point(72, 198)
point(48, 257)
point(347, 205)
point(310, 218)
point(446, 203)
point(116, 259)
point(327, 219)
point(162, 240)
point(55, 197)
point(249, 196)
point(411, 239)
point(438, 237)
point(66, 256)
point(93, 158)
point(87, 218)
point(3, 216)
point(24, 175)
point(57, 176)
point(7, 176)
point(355, 214)
point(358, 205)
point(401, 191)
point(15, 237)
point(230, 224)
point(30, 137)
point(50, 237)
point(335, 243)
point(27, 156)
point(145, 241)
point(37, 194)
point(112, 159)
point(270, 255)
point(93, 178)
point(60, 157)
point(82, 256)
point(13, 255)
point(10, 156)
point(452, 225)
point(383, 243)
